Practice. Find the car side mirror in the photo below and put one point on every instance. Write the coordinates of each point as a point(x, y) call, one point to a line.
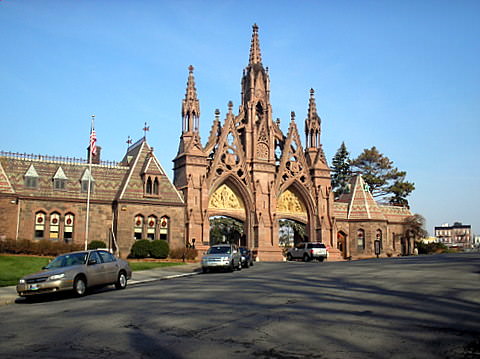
point(92, 261)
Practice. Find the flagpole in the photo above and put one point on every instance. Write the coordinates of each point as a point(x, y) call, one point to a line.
point(90, 151)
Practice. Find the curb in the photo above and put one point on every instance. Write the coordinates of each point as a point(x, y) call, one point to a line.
point(173, 276)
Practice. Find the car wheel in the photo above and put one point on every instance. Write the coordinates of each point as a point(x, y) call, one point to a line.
point(231, 267)
point(321, 259)
point(204, 270)
point(289, 257)
point(306, 258)
point(121, 281)
point(80, 286)
point(246, 265)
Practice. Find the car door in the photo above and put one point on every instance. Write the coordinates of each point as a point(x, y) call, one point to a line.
point(95, 270)
point(298, 251)
point(110, 266)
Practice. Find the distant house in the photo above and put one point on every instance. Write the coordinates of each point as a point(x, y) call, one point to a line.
point(456, 235)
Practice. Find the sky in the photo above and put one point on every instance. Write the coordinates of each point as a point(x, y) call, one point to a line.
point(403, 76)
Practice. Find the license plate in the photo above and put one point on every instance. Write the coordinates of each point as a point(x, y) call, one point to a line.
point(33, 287)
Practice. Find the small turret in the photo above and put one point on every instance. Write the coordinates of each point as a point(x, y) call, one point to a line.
point(190, 106)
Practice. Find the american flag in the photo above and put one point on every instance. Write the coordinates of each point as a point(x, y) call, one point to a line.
point(93, 142)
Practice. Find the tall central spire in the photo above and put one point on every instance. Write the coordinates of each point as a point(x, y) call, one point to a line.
point(255, 55)
point(190, 105)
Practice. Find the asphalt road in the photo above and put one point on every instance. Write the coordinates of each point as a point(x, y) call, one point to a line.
point(411, 307)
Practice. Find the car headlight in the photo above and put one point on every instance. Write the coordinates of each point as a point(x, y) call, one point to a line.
point(224, 258)
point(21, 281)
point(56, 276)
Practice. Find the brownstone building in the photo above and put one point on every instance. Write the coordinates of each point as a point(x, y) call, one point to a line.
point(248, 170)
point(45, 197)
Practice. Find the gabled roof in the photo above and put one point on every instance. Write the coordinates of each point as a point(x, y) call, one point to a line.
point(361, 204)
point(31, 172)
point(143, 160)
point(5, 185)
point(60, 174)
point(152, 166)
point(87, 175)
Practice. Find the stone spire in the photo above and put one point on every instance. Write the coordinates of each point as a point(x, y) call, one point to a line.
point(255, 55)
point(312, 123)
point(190, 105)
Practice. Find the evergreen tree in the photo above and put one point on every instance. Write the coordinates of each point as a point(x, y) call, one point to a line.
point(385, 180)
point(341, 172)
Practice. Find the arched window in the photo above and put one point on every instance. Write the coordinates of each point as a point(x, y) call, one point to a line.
point(54, 225)
point(138, 227)
point(361, 239)
point(39, 225)
point(155, 186)
point(151, 227)
point(68, 227)
point(379, 237)
point(148, 186)
point(164, 224)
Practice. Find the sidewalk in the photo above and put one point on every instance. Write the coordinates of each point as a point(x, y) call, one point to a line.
point(9, 294)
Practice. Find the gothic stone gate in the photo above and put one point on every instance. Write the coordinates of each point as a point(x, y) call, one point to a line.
point(249, 154)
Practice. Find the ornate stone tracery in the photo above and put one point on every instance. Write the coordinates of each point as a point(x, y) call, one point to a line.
point(251, 151)
point(288, 202)
point(225, 198)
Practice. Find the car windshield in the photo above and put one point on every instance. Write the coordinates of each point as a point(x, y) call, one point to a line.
point(244, 250)
point(67, 260)
point(219, 250)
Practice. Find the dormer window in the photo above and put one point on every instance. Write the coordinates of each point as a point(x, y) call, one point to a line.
point(151, 174)
point(87, 178)
point(152, 185)
point(59, 180)
point(31, 177)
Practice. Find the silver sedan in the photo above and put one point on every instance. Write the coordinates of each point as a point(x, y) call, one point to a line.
point(77, 271)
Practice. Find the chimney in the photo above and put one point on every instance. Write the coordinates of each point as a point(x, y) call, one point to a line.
point(96, 157)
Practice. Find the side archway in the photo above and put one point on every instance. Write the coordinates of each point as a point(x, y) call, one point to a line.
point(231, 199)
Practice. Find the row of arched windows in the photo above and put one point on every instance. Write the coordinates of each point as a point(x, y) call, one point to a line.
point(54, 226)
point(150, 227)
point(361, 238)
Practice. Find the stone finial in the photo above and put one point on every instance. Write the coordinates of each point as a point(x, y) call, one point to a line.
point(255, 55)
point(312, 106)
point(230, 106)
point(292, 116)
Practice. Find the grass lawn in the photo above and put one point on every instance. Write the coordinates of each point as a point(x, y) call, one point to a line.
point(137, 266)
point(12, 268)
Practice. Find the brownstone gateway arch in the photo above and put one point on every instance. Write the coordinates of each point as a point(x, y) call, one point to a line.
point(250, 170)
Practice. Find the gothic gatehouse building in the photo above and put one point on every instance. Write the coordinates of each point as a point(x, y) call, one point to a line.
point(247, 169)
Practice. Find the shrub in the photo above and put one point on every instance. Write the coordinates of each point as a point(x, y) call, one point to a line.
point(44, 247)
point(140, 249)
point(96, 245)
point(179, 253)
point(159, 249)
